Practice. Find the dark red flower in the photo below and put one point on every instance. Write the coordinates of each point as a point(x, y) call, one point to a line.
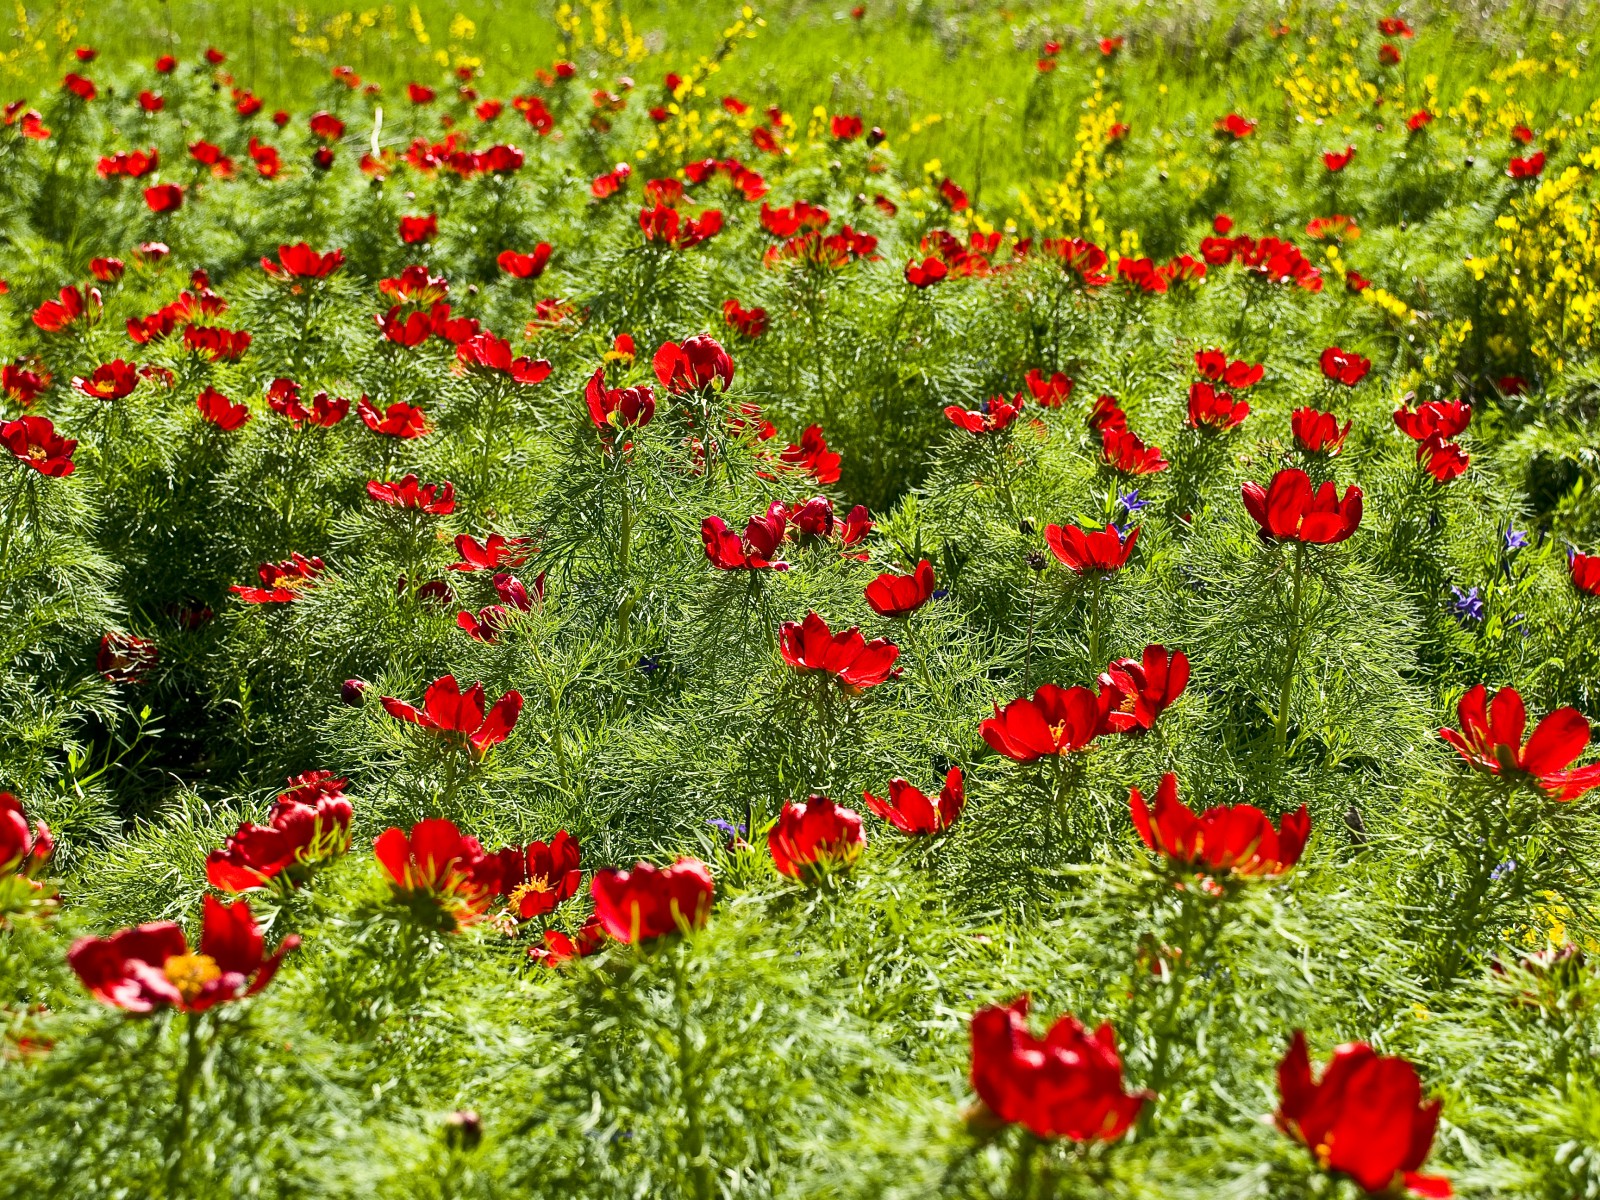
point(892, 595)
point(418, 229)
point(812, 518)
point(1213, 409)
point(107, 270)
point(856, 525)
point(1344, 366)
point(910, 811)
point(24, 382)
point(1088, 550)
point(855, 663)
point(543, 876)
point(418, 94)
point(37, 445)
point(1491, 740)
point(649, 901)
point(163, 197)
point(281, 583)
point(150, 967)
point(749, 322)
point(123, 658)
point(71, 303)
point(220, 411)
point(1289, 510)
point(1441, 459)
point(617, 407)
point(996, 414)
point(699, 362)
point(23, 851)
point(1585, 569)
point(525, 266)
point(326, 126)
point(1237, 838)
point(756, 550)
point(1066, 1084)
point(309, 825)
point(1318, 432)
point(1136, 693)
point(300, 261)
point(438, 499)
point(109, 381)
point(815, 839)
point(399, 420)
point(458, 716)
point(1364, 1118)
point(1443, 419)
point(1055, 721)
point(846, 128)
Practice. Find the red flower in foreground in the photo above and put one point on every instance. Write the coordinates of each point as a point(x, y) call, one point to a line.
point(910, 811)
point(1288, 509)
point(438, 499)
point(893, 595)
point(220, 411)
point(1585, 569)
point(151, 966)
point(1364, 1118)
point(1213, 409)
point(525, 266)
point(816, 838)
point(1049, 393)
point(996, 414)
point(281, 583)
point(1237, 838)
point(23, 851)
point(399, 420)
point(649, 901)
point(1491, 740)
point(1344, 366)
point(1141, 691)
point(1088, 550)
point(699, 362)
point(1055, 721)
point(37, 445)
point(1065, 1084)
point(756, 550)
point(1318, 432)
point(309, 825)
point(414, 230)
point(856, 663)
point(163, 197)
point(109, 381)
point(544, 875)
point(1441, 459)
point(300, 261)
point(610, 407)
point(436, 861)
point(1125, 452)
point(458, 716)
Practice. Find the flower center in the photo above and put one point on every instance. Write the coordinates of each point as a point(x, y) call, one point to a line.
point(534, 887)
point(190, 973)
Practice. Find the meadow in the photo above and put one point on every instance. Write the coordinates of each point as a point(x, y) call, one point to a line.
point(928, 600)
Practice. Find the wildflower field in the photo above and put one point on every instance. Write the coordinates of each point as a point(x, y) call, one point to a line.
point(924, 600)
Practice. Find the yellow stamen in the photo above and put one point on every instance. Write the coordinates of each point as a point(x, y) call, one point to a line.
point(190, 973)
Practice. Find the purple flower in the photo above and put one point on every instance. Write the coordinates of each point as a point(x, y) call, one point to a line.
point(1467, 606)
point(1515, 539)
point(1131, 502)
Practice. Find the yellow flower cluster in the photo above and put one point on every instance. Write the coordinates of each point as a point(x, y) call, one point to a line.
point(1070, 205)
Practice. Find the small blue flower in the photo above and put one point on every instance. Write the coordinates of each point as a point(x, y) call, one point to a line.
point(649, 663)
point(1515, 539)
point(1467, 606)
point(727, 827)
point(1503, 870)
point(941, 593)
point(1131, 502)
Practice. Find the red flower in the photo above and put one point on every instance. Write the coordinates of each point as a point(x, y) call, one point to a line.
point(399, 420)
point(1066, 1084)
point(1585, 570)
point(649, 901)
point(1083, 550)
point(1521, 135)
point(814, 839)
point(55, 315)
point(109, 381)
point(1419, 120)
point(438, 862)
point(812, 456)
point(756, 550)
point(610, 407)
point(1491, 740)
point(1441, 459)
point(845, 128)
point(1235, 126)
point(855, 663)
point(123, 658)
point(1394, 26)
point(419, 229)
point(1055, 721)
point(458, 716)
point(283, 397)
point(215, 57)
point(220, 411)
point(37, 445)
point(1049, 393)
point(222, 345)
point(494, 354)
point(996, 414)
point(24, 382)
point(1318, 432)
point(163, 197)
point(559, 947)
point(1109, 46)
point(1124, 452)
point(893, 595)
point(910, 811)
point(954, 196)
point(326, 126)
point(525, 266)
point(544, 876)
point(1139, 692)
point(418, 94)
point(1237, 374)
point(267, 160)
point(300, 261)
point(436, 498)
point(281, 583)
point(1364, 1118)
point(166, 64)
point(80, 87)
point(1289, 510)
point(1344, 366)
point(23, 851)
point(700, 362)
point(495, 552)
point(856, 525)
point(309, 825)
point(1530, 167)
point(150, 966)
point(107, 270)
point(812, 518)
point(751, 322)
point(1213, 409)
point(1443, 419)
point(1238, 838)
point(926, 273)
point(1338, 160)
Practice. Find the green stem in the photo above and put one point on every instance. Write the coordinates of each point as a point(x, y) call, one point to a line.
point(1494, 822)
point(1022, 1175)
point(178, 1159)
point(1280, 734)
point(690, 1080)
point(1195, 947)
point(1094, 621)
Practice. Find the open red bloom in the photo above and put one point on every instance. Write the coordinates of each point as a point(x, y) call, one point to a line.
point(1236, 374)
point(1364, 1118)
point(1443, 419)
point(1141, 691)
point(893, 595)
point(1235, 126)
point(436, 498)
point(399, 420)
point(496, 551)
point(756, 550)
point(560, 947)
point(283, 397)
point(107, 270)
point(309, 825)
point(815, 839)
point(1049, 393)
point(1441, 459)
point(1491, 740)
point(458, 716)
point(1338, 160)
point(543, 876)
point(854, 662)
point(281, 583)
point(1288, 509)
point(109, 381)
point(1125, 453)
point(24, 382)
point(220, 411)
point(1318, 432)
point(996, 414)
point(150, 967)
point(24, 851)
point(610, 407)
point(163, 197)
point(699, 362)
point(750, 322)
point(1213, 409)
point(326, 126)
point(1065, 1084)
point(70, 303)
point(37, 445)
point(1237, 838)
point(525, 266)
point(300, 261)
point(435, 860)
point(1088, 550)
point(811, 455)
point(910, 811)
point(1055, 721)
point(419, 229)
point(222, 345)
point(1344, 366)
point(1585, 569)
point(649, 901)
point(1530, 167)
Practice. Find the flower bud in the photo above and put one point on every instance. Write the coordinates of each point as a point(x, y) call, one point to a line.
point(354, 692)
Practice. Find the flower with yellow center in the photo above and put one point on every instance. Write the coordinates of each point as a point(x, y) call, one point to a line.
point(190, 973)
